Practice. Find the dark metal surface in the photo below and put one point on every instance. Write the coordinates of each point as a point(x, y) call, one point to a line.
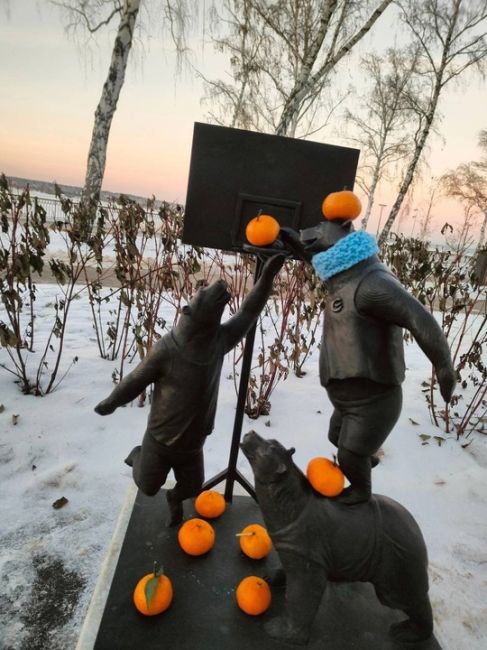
point(204, 614)
point(235, 173)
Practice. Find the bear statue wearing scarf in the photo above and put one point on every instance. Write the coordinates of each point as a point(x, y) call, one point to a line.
point(361, 356)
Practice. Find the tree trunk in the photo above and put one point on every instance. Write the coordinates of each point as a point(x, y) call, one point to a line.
point(373, 187)
point(429, 115)
point(409, 173)
point(301, 85)
point(483, 228)
point(106, 109)
point(307, 81)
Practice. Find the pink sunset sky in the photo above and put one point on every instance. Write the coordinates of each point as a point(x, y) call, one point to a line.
point(50, 88)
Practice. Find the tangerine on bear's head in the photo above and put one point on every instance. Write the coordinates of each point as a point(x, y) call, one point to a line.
point(341, 205)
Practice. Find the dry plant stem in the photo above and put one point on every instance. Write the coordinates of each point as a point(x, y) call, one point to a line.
point(475, 403)
point(432, 398)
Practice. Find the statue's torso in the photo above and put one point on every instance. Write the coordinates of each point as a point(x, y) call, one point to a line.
point(355, 345)
point(185, 397)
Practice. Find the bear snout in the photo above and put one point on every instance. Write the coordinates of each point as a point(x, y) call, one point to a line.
point(250, 442)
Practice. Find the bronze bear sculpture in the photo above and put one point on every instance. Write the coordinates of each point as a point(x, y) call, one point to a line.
point(184, 366)
point(362, 354)
point(320, 539)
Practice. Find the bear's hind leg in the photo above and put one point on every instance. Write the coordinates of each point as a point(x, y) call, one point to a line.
point(419, 625)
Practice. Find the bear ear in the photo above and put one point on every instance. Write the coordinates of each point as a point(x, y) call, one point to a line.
point(347, 225)
point(290, 452)
point(186, 310)
point(281, 469)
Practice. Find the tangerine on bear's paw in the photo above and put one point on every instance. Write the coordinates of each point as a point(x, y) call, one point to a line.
point(209, 504)
point(153, 593)
point(196, 536)
point(341, 205)
point(325, 476)
point(253, 595)
point(255, 541)
point(262, 230)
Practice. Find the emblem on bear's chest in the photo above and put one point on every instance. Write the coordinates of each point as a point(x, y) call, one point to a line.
point(337, 305)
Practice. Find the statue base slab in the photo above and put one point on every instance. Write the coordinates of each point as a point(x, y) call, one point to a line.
point(204, 614)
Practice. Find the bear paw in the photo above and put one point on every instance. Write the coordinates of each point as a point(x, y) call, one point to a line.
point(281, 628)
point(276, 578)
point(409, 632)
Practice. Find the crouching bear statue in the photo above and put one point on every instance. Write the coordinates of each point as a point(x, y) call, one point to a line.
point(320, 539)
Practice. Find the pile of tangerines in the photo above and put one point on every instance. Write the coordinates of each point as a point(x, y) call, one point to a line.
point(154, 592)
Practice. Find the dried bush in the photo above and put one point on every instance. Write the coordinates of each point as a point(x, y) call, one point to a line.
point(444, 280)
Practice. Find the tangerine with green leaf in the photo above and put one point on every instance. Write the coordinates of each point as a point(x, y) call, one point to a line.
point(153, 593)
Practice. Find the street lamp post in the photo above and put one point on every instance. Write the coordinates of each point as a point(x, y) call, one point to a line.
point(382, 206)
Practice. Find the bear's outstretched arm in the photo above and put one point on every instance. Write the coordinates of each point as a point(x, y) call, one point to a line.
point(384, 298)
point(237, 327)
point(148, 370)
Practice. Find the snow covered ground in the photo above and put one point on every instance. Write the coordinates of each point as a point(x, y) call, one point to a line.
point(56, 446)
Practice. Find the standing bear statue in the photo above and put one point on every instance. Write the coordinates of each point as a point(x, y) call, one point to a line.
point(362, 353)
point(185, 366)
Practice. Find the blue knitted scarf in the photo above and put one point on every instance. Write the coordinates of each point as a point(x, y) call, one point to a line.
point(347, 252)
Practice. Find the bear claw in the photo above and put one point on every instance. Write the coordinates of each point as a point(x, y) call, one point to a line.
point(409, 632)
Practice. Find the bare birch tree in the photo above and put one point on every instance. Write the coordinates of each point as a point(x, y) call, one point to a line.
point(426, 214)
point(383, 132)
point(341, 25)
point(92, 15)
point(452, 37)
point(235, 102)
point(282, 55)
point(468, 184)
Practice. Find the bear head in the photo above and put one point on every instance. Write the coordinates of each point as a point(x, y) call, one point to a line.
point(207, 306)
point(323, 236)
point(269, 460)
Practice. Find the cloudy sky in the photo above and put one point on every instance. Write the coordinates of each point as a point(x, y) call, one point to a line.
point(50, 87)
